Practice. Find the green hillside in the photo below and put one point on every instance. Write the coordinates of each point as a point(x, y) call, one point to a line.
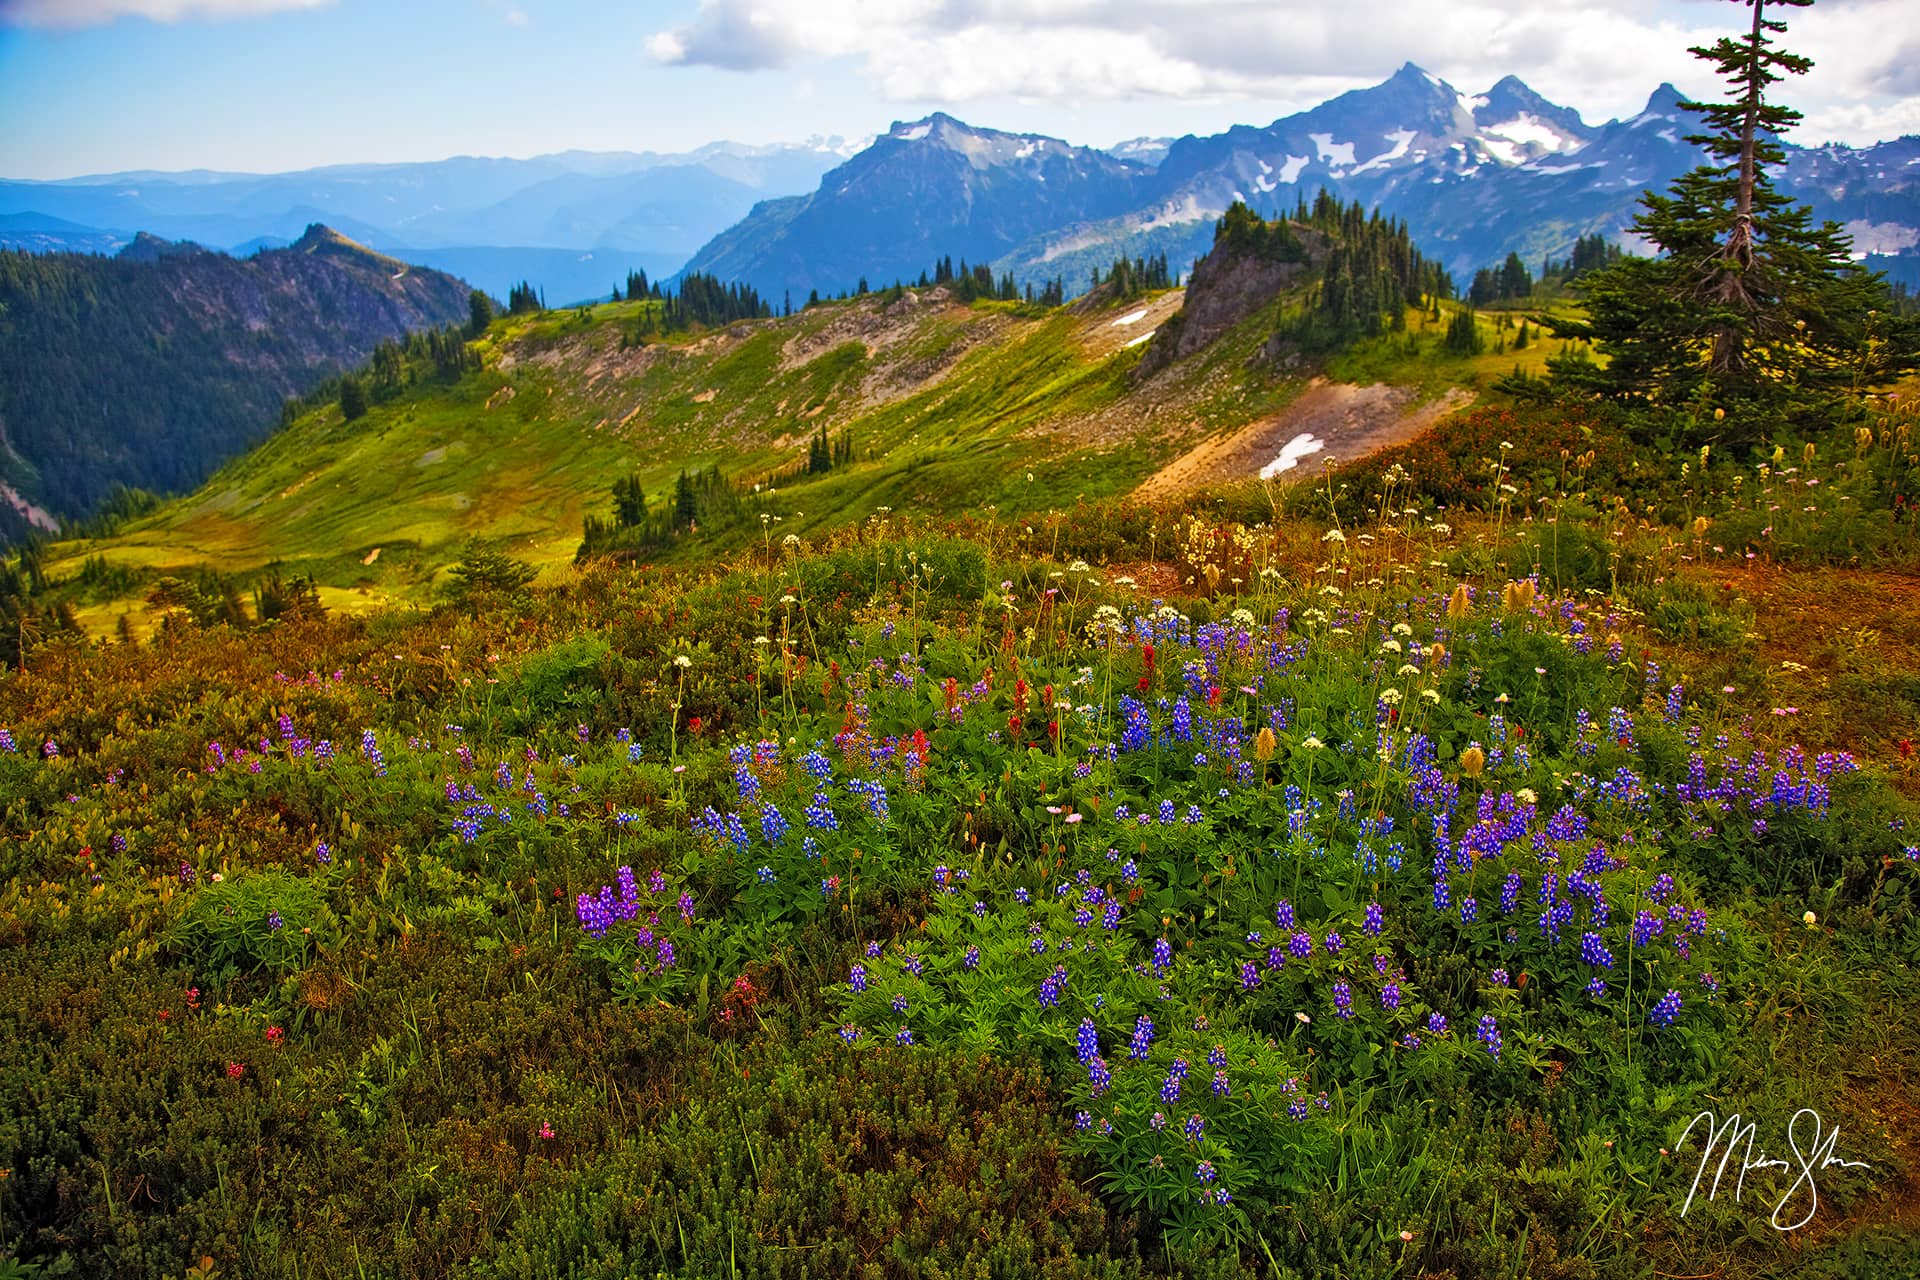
point(990, 407)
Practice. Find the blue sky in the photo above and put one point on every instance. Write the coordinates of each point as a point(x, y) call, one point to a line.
point(90, 86)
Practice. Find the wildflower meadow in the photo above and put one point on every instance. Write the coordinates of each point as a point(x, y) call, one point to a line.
point(926, 903)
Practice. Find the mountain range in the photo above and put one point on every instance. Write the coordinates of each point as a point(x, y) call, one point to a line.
point(1474, 176)
point(574, 223)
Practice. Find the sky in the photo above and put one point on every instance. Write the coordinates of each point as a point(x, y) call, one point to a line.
point(97, 86)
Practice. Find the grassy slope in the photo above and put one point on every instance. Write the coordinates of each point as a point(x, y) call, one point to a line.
point(952, 408)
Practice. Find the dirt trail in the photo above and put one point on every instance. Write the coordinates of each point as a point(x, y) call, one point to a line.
point(1348, 422)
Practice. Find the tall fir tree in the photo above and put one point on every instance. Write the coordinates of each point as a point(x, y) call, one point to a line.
point(1751, 306)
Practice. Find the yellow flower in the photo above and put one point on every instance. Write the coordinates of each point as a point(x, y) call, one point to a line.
point(1263, 744)
point(1472, 761)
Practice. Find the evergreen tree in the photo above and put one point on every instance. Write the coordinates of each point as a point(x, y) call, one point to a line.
point(353, 398)
point(629, 501)
point(479, 313)
point(685, 502)
point(1750, 306)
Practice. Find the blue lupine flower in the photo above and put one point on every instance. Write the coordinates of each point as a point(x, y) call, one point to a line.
point(1142, 1038)
point(773, 823)
point(1249, 976)
point(904, 1038)
point(899, 1004)
point(1594, 952)
point(1086, 1041)
point(1081, 1120)
point(1376, 920)
point(1099, 1078)
point(1488, 1033)
point(1343, 1000)
point(849, 1032)
point(1390, 996)
point(1194, 1128)
point(1437, 1023)
point(971, 960)
point(1162, 954)
point(1283, 914)
point(857, 978)
point(1666, 1011)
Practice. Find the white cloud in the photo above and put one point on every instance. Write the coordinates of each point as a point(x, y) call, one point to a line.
point(88, 13)
point(1603, 60)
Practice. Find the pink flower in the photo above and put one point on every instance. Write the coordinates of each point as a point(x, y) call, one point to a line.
point(546, 1129)
point(235, 1070)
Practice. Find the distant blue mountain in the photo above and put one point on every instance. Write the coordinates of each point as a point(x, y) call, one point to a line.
point(572, 223)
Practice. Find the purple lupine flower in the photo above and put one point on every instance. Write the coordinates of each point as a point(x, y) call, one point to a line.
point(1666, 1011)
point(1051, 987)
point(1221, 1089)
point(1390, 996)
point(1162, 954)
point(1376, 920)
point(1335, 944)
point(849, 1032)
point(1343, 1000)
point(899, 1004)
point(1099, 1078)
point(1510, 893)
point(1086, 1041)
point(971, 960)
point(1142, 1037)
point(1249, 976)
point(1500, 978)
point(857, 978)
point(1283, 914)
point(1300, 945)
point(1488, 1033)
point(1594, 952)
point(1081, 1120)
point(904, 1038)
point(1170, 1088)
point(1437, 1023)
point(1194, 1127)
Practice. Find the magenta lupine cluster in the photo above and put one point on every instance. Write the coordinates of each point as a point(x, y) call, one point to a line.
point(6, 741)
point(49, 750)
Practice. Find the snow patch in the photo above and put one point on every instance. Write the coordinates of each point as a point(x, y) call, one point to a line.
point(1564, 168)
point(1137, 340)
point(1668, 135)
point(1265, 167)
point(1290, 171)
point(1132, 317)
point(916, 133)
point(1473, 104)
point(1881, 237)
point(1504, 150)
point(1332, 152)
point(1027, 148)
point(1401, 139)
point(1530, 131)
point(1301, 446)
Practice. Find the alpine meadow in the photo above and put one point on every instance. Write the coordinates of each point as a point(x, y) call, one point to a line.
point(1203, 713)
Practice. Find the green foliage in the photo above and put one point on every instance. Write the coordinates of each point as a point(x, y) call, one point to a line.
point(257, 921)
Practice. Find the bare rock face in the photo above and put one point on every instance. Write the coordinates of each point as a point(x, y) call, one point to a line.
point(1226, 288)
